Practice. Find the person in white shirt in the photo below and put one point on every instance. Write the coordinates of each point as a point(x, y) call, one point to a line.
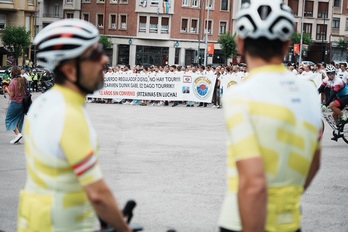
point(343, 73)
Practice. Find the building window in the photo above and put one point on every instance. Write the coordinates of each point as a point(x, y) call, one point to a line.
point(194, 25)
point(56, 10)
point(100, 20)
point(112, 19)
point(346, 24)
point(323, 10)
point(69, 15)
point(85, 16)
point(165, 25)
point(210, 23)
point(123, 1)
point(335, 23)
point(123, 22)
point(154, 24)
point(293, 4)
point(222, 28)
point(27, 23)
point(195, 3)
point(321, 32)
point(86, 1)
point(113, 1)
point(184, 2)
point(210, 4)
point(224, 4)
point(307, 28)
point(337, 3)
point(154, 2)
point(142, 23)
point(100, 1)
point(69, 1)
point(184, 25)
point(308, 9)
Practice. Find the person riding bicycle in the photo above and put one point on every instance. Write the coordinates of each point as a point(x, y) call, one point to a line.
point(273, 125)
point(65, 188)
point(339, 95)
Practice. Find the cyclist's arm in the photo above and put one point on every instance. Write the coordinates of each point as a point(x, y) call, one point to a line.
point(252, 194)
point(321, 88)
point(105, 205)
point(313, 169)
point(332, 96)
point(252, 187)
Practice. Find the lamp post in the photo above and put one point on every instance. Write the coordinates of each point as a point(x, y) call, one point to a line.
point(322, 37)
point(206, 36)
point(35, 32)
point(199, 32)
point(301, 42)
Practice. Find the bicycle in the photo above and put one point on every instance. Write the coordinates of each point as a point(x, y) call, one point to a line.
point(338, 132)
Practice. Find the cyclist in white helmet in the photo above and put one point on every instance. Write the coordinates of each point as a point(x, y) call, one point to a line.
point(65, 189)
point(274, 128)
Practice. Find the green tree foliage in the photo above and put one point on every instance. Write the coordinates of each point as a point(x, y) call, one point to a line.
point(105, 42)
point(228, 45)
point(341, 45)
point(17, 38)
point(296, 39)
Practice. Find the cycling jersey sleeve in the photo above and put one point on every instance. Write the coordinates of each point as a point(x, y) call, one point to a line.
point(76, 145)
point(241, 135)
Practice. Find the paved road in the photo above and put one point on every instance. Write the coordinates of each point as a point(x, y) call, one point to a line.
point(172, 162)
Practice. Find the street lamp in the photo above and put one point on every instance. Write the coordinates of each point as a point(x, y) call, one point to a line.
point(322, 37)
point(35, 33)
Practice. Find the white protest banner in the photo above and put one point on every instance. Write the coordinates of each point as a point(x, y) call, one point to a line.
point(163, 86)
point(230, 80)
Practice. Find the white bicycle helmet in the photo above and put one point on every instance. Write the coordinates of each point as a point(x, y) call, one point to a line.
point(64, 40)
point(271, 19)
point(330, 69)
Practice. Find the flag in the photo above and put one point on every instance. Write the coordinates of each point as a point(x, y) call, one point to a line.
point(165, 7)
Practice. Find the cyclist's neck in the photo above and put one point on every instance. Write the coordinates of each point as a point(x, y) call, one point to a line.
point(256, 62)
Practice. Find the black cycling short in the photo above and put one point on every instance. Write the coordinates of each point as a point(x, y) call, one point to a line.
point(342, 102)
point(225, 230)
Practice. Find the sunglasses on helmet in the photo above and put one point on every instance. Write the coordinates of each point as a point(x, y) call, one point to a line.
point(95, 55)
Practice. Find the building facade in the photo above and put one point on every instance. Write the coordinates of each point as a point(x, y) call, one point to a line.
point(160, 32)
point(16, 13)
point(326, 22)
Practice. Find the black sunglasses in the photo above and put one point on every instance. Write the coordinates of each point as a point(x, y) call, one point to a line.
point(330, 73)
point(95, 55)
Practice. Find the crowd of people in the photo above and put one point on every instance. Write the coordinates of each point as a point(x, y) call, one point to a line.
point(239, 71)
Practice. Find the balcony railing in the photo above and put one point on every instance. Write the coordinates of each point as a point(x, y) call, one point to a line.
point(6, 1)
point(30, 2)
point(58, 16)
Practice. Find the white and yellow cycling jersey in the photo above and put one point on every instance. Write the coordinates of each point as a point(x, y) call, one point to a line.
point(275, 116)
point(62, 156)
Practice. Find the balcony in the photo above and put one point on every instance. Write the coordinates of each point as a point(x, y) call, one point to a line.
point(57, 16)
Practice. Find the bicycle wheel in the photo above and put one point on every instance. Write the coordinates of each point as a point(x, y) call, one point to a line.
point(345, 133)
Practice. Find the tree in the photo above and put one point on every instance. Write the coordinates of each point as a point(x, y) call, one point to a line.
point(105, 41)
point(16, 38)
point(341, 45)
point(296, 39)
point(228, 45)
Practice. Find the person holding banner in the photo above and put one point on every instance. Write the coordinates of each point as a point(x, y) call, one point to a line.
point(268, 170)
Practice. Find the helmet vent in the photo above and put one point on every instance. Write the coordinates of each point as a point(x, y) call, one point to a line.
point(285, 30)
point(264, 12)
